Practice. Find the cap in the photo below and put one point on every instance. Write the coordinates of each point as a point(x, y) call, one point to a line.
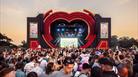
point(68, 60)
point(105, 61)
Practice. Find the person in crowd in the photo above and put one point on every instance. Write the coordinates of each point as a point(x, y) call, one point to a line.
point(49, 70)
point(112, 59)
point(37, 69)
point(68, 65)
point(6, 71)
point(43, 62)
point(96, 71)
point(29, 66)
point(123, 70)
point(135, 69)
point(94, 61)
point(107, 67)
point(32, 74)
point(19, 70)
point(85, 72)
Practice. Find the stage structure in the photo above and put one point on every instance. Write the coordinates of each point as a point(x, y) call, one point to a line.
point(62, 29)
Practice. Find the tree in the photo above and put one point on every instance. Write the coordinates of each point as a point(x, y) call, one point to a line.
point(126, 42)
point(24, 44)
point(114, 41)
point(135, 42)
point(6, 41)
point(3, 37)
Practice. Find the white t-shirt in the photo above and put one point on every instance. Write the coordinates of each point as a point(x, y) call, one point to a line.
point(43, 64)
point(28, 67)
point(85, 58)
point(38, 70)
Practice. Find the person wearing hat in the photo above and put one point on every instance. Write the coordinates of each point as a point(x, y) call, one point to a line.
point(68, 65)
point(107, 67)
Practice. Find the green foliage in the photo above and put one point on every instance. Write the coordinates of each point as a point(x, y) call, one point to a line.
point(124, 42)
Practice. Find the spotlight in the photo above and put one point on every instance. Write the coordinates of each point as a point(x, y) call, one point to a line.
point(63, 29)
point(80, 29)
point(58, 30)
point(75, 29)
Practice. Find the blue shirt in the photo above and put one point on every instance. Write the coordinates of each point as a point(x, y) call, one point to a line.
point(20, 73)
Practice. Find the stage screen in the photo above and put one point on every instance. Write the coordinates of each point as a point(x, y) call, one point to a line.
point(69, 42)
point(104, 30)
point(33, 30)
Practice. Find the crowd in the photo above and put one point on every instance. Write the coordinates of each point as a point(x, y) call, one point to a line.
point(69, 62)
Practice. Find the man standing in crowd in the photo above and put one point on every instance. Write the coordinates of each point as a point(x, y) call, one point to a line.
point(107, 67)
point(29, 66)
point(85, 72)
point(67, 68)
point(19, 70)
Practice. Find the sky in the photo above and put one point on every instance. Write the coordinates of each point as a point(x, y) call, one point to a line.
point(14, 13)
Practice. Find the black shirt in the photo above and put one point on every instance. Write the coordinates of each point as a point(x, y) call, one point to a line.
point(109, 74)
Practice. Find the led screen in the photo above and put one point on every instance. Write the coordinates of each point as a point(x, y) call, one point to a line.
point(69, 42)
point(33, 30)
point(104, 30)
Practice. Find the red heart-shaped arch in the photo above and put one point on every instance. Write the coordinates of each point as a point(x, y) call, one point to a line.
point(89, 20)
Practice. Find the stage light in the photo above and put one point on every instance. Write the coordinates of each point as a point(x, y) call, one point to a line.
point(63, 29)
point(75, 29)
point(80, 29)
point(58, 30)
point(59, 24)
point(63, 24)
